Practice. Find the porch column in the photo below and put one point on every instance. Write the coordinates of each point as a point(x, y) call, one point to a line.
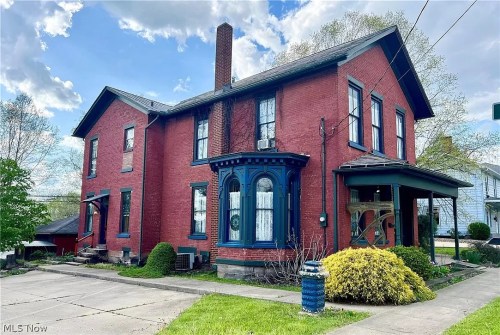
point(431, 226)
point(455, 225)
point(397, 212)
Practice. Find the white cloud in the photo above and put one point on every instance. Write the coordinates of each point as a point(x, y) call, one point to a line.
point(72, 142)
point(152, 94)
point(59, 21)
point(479, 106)
point(21, 69)
point(182, 85)
point(6, 3)
point(300, 23)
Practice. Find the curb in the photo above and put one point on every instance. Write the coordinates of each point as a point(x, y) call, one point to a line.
point(132, 282)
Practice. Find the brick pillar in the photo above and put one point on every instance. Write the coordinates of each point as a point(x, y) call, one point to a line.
point(218, 145)
point(223, 54)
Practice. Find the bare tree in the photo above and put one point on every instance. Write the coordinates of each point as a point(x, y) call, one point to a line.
point(27, 137)
point(440, 86)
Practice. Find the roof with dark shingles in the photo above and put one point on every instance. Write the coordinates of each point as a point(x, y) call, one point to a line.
point(389, 38)
point(148, 104)
point(317, 60)
point(64, 226)
point(371, 161)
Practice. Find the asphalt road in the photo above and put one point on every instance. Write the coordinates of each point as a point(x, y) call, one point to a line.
point(49, 303)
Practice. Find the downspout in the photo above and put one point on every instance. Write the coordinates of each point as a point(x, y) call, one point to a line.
point(143, 180)
point(323, 217)
point(335, 214)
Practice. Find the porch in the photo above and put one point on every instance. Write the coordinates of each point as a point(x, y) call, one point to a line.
point(382, 200)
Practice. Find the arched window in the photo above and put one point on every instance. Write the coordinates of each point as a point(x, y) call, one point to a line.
point(264, 210)
point(233, 209)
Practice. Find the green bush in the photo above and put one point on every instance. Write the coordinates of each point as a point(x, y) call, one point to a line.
point(38, 255)
point(416, 259)
point(440, 271)
point(473, 257)
point(372, 276)
point(488, 253)
point(423, 231)
point(479, 231)
point(161, 261)
point(3, 263)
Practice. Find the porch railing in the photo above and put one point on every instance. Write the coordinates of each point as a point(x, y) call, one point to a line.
point(78, 240)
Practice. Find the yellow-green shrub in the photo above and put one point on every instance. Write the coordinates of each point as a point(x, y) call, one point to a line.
point(372, 276)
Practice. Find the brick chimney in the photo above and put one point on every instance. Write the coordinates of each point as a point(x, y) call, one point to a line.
point(223, 54)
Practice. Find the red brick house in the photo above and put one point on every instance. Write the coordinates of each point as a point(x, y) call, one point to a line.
point(233, 174)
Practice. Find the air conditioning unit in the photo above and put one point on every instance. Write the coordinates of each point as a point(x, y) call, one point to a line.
point(264, 144)
point(184, 261)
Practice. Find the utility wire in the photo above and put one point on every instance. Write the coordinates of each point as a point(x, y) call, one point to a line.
point(439, 39)
point(390, 63)
point(417, 61)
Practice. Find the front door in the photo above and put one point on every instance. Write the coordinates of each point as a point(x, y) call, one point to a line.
point(103, 220)
point(407, 220)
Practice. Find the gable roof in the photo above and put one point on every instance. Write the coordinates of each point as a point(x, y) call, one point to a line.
point(389, 38)
point(494, 169)
point(106, 97)
point(64, 226)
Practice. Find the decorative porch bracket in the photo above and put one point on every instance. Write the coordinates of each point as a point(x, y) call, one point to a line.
point(377, 225)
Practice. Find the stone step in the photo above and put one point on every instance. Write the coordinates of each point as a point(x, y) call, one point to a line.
point(101, 247)
point(87, 254)
point(82, 260)
point(73, 263)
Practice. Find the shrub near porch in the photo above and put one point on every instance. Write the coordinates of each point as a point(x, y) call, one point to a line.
point(372, 276)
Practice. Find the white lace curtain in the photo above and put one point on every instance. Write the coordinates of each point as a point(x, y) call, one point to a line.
point(234, 216)
point(264, 216)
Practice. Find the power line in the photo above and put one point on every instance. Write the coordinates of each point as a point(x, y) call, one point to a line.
point(388, 67)
point(417, 61)
point(439, 39)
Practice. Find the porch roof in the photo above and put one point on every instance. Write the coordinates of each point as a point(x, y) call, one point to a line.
point(372, 170)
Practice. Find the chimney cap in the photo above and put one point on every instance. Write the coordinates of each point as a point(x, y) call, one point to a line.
point(224, 24)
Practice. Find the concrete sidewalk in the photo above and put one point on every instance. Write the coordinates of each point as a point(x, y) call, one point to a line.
point(431, 317)
point(201, 287)
point(452, 304)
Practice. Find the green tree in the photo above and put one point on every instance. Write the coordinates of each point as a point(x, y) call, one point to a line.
point(63, 206)
point(28, 138)
point(440, 86)
point(19, 215)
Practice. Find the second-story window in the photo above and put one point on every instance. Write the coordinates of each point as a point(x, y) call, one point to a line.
point(377, 125)
point(93, 157)
point(355, 124)
point(400, 135)
point(128, 144)
point(266, 121)
point(201, 140)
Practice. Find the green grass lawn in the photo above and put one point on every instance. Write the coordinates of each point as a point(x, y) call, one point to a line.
point(448, 251)
point(484, 321)
point(220, 314)
point(212, 276)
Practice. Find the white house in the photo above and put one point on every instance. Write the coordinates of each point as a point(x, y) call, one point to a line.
point(478, 203)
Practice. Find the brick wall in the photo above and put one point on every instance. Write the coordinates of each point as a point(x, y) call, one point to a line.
point(178, 174)
point(153, 192)
point(109, 129)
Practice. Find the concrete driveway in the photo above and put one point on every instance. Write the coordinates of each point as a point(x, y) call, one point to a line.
point(50, 303)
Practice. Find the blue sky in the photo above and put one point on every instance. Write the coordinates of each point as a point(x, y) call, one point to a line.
point(64, 53)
